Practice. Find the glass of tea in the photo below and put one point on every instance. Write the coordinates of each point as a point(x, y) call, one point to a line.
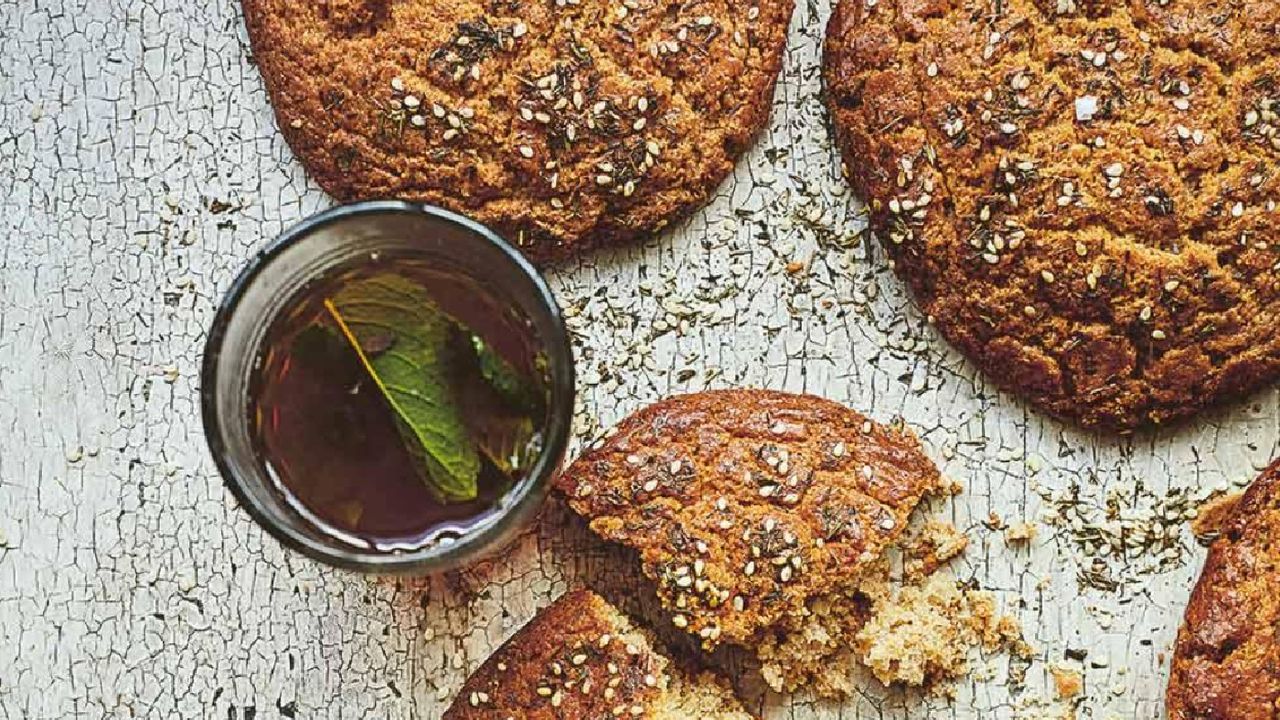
point(388, 388)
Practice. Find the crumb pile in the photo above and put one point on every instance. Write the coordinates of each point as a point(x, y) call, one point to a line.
point(922, 634)
point(918, 633)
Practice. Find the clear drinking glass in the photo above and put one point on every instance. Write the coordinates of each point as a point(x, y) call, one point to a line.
point(340, 237)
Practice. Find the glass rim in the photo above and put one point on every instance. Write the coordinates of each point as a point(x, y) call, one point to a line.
point(520, 501)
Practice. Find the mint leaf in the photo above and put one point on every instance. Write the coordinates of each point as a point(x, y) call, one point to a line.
point(517, 390)
point(402, 339)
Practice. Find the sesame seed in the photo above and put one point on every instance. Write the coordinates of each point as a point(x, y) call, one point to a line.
point(1086, 108)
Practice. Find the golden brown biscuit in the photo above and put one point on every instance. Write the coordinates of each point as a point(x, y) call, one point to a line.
point(581, 659)
point(746, 505)
point(1082, 194)
point(561, 123)
point(1227, 662)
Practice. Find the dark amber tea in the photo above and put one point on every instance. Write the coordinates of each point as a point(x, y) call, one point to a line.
point(395, 403)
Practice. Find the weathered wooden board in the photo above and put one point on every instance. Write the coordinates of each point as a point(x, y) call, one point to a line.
point(140, 167)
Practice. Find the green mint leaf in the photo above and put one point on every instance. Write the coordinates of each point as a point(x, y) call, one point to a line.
point(412, 371)
point(504, 378)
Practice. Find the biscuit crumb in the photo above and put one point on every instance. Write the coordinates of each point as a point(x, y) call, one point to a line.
point(1041, 709)
point(1068, 683)
point(994, 521)
point(1211, 516)
point(938, 543)
point(1020, 533)
point(920, 635)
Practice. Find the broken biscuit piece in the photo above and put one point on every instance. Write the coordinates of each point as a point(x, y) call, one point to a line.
point(582, 659)
point(754, 512)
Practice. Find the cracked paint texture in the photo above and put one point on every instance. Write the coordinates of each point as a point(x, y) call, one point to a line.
point(132, 586)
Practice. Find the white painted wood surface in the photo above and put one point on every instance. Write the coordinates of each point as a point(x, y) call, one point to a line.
point(131, 585)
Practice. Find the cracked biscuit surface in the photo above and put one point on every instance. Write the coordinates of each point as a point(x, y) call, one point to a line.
point(1226, 665)
point(1081, 194)
point(562, 124)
